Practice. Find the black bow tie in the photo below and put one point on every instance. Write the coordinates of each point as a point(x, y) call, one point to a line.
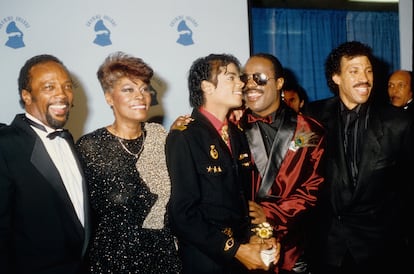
point(63, 133)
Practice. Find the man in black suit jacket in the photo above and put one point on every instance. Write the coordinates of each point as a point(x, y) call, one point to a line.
point(362, 218)
point(44, 225)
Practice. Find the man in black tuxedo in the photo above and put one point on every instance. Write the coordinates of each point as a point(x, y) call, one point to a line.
point(362, 217)
point(44, 224)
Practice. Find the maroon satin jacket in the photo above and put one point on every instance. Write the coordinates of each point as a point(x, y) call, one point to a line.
point(294, 164)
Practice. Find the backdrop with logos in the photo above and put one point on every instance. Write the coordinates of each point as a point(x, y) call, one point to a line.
point(168, 35)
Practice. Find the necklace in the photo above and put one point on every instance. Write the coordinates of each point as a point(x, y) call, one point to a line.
point(136, 155)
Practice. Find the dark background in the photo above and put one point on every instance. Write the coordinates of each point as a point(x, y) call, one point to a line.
point(324, 4)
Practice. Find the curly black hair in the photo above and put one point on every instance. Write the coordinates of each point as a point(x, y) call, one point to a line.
point(207, 68)
point(348, 50)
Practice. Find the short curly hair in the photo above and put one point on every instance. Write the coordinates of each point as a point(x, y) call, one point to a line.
point(347, 50)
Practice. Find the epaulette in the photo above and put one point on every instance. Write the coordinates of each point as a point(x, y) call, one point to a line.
point(181, 128)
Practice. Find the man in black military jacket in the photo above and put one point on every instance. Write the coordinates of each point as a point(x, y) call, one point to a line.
point(209, 164)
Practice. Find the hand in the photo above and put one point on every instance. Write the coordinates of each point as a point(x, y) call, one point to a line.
point(181, 121)
point(275, 244)
point(236, 115)
point(249, 256)
point(268, 244)
point(256, 213)
point(278, 248)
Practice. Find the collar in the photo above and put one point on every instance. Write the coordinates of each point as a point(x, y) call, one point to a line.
point(346, 110)
point(213, 119)
point(408, 104)
point(31, 117)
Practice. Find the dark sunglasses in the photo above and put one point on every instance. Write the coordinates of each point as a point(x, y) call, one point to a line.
point(259, 78)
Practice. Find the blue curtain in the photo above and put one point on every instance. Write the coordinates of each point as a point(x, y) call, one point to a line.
point(302, 39)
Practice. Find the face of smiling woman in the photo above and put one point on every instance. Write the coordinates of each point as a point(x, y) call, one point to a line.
point(130, 99)
point(51, 94)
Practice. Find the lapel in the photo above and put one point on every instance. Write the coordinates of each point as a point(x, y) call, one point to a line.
point(44, 164)
point(337, 145)
point(257, 148)
point(285, 122)
point(328, 113)
point(336, 165)
point(235, 141)
point(370, 149)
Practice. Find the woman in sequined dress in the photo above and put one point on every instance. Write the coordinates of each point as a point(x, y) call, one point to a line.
point(129, 186)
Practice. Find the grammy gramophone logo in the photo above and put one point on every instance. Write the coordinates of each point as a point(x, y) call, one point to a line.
point(184, 26)
point(13, 28)
point(102, 26)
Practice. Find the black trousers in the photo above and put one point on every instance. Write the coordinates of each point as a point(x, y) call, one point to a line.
point(388, 264)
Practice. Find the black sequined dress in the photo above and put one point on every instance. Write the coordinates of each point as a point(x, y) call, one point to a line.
point(128, 198)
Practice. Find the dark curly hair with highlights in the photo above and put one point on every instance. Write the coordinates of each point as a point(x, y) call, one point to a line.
point(207, 68)
point(348, 50)
point(119, 65)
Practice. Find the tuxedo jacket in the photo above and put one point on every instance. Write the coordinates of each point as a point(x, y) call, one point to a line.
point(370, 220)
point(296, 157)
point(208, 210)
point(39, 229)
